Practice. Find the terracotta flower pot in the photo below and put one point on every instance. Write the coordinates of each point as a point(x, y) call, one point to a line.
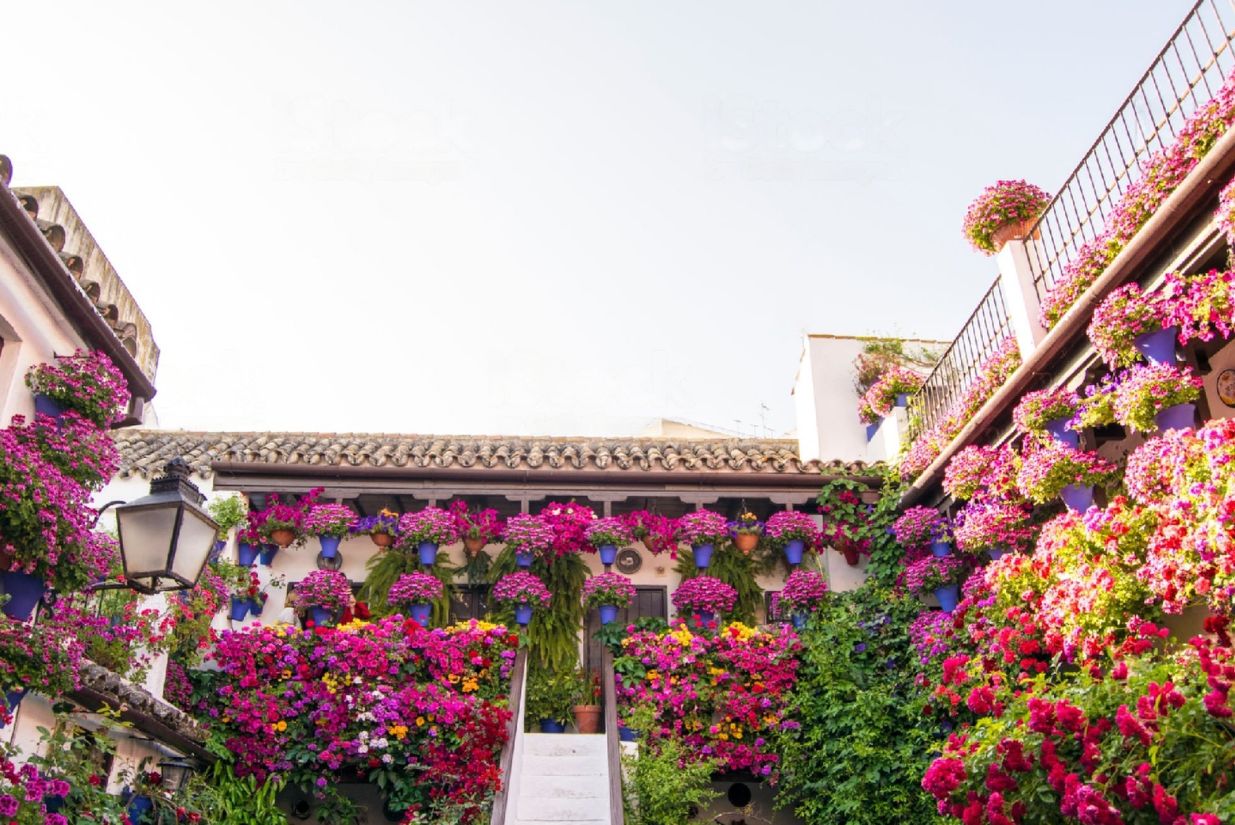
point(647, 542)
point(473, 546)
point(1016, 230)
point(587, 718)
point(852, 557)
point(746, 542)
point(283, 538)
point(382, 539)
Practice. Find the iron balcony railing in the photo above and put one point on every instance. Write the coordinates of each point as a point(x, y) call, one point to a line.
point(979, 339)
point(1186, 74)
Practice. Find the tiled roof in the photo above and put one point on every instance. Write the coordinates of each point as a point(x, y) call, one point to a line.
point(144, 452)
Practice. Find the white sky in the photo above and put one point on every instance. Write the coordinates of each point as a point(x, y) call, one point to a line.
point(544, 217)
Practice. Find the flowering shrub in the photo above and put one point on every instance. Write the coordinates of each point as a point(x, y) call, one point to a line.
point(485, 525)
point(1201, 305)
point(528, 534)
point(1146, 389)
point(994, 525)
point(706, 594)
point(1036, 409)
point(569, 522)
point(1161, 175)
point(73, 445)
point(980, 470)
point(721, 695)
point(385, 523)
point(609, 530)
point(1047, 468)
point(329, 520)
point(1098, 406)
point(919, 526)
point(931, 634)
point(847, 521)
point(420, 713)
point(43, 657)
point(415, 588)
point(328, 589)
point(932, 572)
point(803, 591)
point(1124, 314)
point(1225, 216)
point(658, 533)
point(866, 413)
point(703, 527)
point(279, 515)
point(1163, 467)
point(25, 794)
point(785, 526)
point(521, 588)
point(432, 524)
point(608, 588)
point(1004, 202)
point(86, 382)
point(881, 398)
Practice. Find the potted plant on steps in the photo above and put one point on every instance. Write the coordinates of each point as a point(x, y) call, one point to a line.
point(550, 697)
point(523, 592)
point(587, 712)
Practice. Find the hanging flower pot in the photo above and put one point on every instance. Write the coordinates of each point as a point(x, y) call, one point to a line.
point(1077, 497)
point(239, 609)
point(24, 590)
point(551, 726)
point(702, 554)
point(256, 606)
point(871, 429)
point(705, 617)
point(799, 620)
point(608, 613)
point(266, 554)
point(46, 405)
point(12, 698)
point(746, 542)
point(1061, 430)
point(246, 553)
point(608, 553)
point(421, 614)
point(851, 554)
point(995, 553)
point(472, 546)
point(626, 734)
point(382, 540)
point(939, 549)
point(1158, 346)
point(948, 596)
point(523, 558)
point(330, 546)
point(1176, 417)
point(427, 551)
point(523, 614)
point(649, 543)
point(138, 807)
point(321, 616)
point(794, 549)
point(217, 549)
point(283, 537)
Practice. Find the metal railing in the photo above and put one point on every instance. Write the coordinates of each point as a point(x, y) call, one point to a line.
point(1186, 75)
point(979, 339)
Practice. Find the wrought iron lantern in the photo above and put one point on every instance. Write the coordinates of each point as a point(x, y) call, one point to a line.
point(165, 537)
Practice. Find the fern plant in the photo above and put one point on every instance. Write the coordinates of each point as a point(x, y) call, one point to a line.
point(385, 568)
point(553, 635)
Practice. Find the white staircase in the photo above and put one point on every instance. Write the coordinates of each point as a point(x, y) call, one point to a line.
point(563, 780)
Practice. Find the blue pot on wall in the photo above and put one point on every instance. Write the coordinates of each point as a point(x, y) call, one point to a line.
point(256, 606)
point(902, 399)
point(12, 698)
point(1060, 429)
point(995, 553)
point(421, 613)
point(1157, 346)
point(1077, 497)
point(871, 429)
point(46, 405)
point(608, 553)
point(939, 549)
point(551, 726)
point(523, 558)
point(24, 591)
point(523, 614)
point(330, 546)
point(793, 551)
point(246, 553)
point(799, 620)
point(266, 554)
point(706, 617)
point(321, 616)
point(626, 734)
point(428, 553)
point(948, 596)
point(217, 549)
point(1176, 417)
point(608, 613)
point(239, 609)
point(702, 554)
point(139, 806)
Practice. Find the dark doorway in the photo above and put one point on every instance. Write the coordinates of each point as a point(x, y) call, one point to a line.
point(468, 601)
point(650, 600)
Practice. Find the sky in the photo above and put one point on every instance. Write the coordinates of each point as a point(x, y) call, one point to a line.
point(545, 218)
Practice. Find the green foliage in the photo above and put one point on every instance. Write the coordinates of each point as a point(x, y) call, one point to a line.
point(385, 568)
point(221, 796)
point(553, 634)
point(75, 755)
point(551, 695)
point(881, 354)
point(849, 519)
point(611, 635)
point(735, 569)
point(228, 512)
point(475, 569)
point(863, 746)
point(666, 785)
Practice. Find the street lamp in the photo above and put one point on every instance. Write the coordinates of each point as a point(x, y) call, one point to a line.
point(165, 537)
point(176, 772)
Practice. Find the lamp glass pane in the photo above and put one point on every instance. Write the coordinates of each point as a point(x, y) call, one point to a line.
point(197, 533)
point(146, 534)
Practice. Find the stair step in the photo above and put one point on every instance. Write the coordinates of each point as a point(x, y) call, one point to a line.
point(557, 744)
point(591, 786)
point(562, 810)
point(559, 766)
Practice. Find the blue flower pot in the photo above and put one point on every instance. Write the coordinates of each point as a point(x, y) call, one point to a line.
point(428, 553)
point(706, 617)
point(421, 613)
point(330, 546)
point(523, 614)
point(626, 734)
point(793, 551)
point(45, 405)
point(1158, 346)
point(551, 726)
point(217, 550)
point(321, 616)
point(24, 590)
point(139, 806)
point(12, 698)
point(703, 555)
point(266, 554)
point(1176, 417)
point(799, 620)
point(1060, 429)
point(246, 553)
point(608, 613)
point(871, 429)
point(256, 606)
point(948, 596)
point(523, 559)
point(53, 803)
point(995, 553)
point(939, 549)
point(608, 553)
point(239, 609)
point(902, 399)
point(1077, 497)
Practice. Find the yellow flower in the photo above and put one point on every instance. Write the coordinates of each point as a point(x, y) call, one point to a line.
point(279, 726)
point(420, 721)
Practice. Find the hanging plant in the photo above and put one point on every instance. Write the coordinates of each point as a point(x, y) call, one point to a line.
point(1001, 211)
point(735, 569)
point(553, 635)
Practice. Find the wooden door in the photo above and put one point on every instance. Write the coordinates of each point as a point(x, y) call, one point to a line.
point(467, 601)
point(650, 600)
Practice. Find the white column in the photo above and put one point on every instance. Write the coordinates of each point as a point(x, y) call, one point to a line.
point(1020, 297)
